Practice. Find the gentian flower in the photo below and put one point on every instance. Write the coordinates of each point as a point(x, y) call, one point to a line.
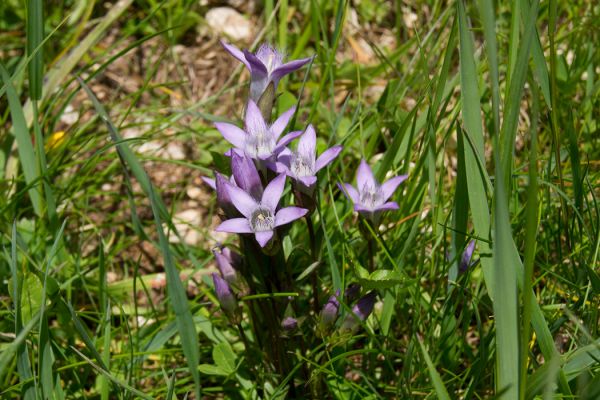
point(226, 259)
point(257, 139)
point(360, 312)
point(370, 197)
point(329, 313)
point(265, 66)
point(260, 217)
point(226, 299)
point(303, 164)
point(465, 260)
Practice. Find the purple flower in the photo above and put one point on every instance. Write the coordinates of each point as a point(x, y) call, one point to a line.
point(257, 139)
point(351, 293)
point(289, 324)
point(330, 312)
point(265, 66)
point(260, 217)
point(226, 299)
point(371, 197)
point(303, 164)
point(244, 176)
point(465, 261)
point(360, 312)
point(226, 259)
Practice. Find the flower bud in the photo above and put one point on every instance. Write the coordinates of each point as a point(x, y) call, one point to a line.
point(226, 299)
point(226, 259)
point(360, 312)
point(351, 293)
point(329, 313)
point(289, 324)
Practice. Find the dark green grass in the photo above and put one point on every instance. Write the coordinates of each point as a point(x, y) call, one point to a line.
point(490, 107)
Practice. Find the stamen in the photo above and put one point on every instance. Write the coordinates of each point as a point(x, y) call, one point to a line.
point(262, 220)
point(301, 167)
point(371, 197)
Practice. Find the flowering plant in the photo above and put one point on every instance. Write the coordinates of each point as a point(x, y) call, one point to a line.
point(259, 288)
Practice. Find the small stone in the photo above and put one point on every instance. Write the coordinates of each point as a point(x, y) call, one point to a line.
point(228, 21)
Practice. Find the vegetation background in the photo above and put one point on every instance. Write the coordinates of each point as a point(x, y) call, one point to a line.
point(491, 107)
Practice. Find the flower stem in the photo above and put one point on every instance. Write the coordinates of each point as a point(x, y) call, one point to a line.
point(313, 253)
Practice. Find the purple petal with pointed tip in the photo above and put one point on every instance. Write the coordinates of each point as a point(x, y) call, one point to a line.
point(328, 156)
point(223, 197)
point(308, 181)
point(256, 66)
point(279, 167)
point(388, 188)
point(284, 141)
point(210, 182)
point(362, 209)
point(350, 192)
point(280, 123)
point(254, 119)
point(273, 192)
point(289, 67)
point(242, 201)
point(390, 205)
point(232, 133)
point(307, 144)
point(237, 53)
point(365, 177)
point(246, 176)
point(263, 237)
point(224, 265)
point(289, 214)
point(234, 225)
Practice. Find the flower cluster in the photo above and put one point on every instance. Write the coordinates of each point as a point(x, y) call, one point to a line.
point(254, 204)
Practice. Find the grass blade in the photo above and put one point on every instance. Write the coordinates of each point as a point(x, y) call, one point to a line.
point(176, 291)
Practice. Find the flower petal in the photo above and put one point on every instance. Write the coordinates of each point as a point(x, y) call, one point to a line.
point(246, 176)
point(350, 192)
point(308, 180)
point(289, 214)
point(281, 122)
point(284, 141)
point(362, 209)
point(389, 206)
point(237, 53)
point(279, 167)
point(365, 177)
point(256, 66)
point(235, 225)
point(255, 123)
point(210, 182)
point(273, 192)
point(242, 201)
point(388, 188)
point(289, 67)
point(307, 144)
point(263, 237)
point(328, 156)
point(232, 134)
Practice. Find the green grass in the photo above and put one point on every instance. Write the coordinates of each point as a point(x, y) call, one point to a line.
point(490, 107)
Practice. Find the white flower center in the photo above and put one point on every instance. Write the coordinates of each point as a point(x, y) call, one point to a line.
point(262, 220)
point(301, 167)
point(371, 197)
point(260, 143)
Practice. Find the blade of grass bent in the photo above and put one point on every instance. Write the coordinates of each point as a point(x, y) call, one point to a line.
point(436, 379)
point(176, 291)
point(24, 145)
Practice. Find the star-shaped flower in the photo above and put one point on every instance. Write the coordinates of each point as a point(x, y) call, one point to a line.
point(260, 217)
point(370, 197)
point(265, 66)
point(303, 164)
point(259, 140)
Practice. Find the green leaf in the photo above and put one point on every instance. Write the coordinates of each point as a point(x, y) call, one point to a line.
point(209, 369)
point(224, 357)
